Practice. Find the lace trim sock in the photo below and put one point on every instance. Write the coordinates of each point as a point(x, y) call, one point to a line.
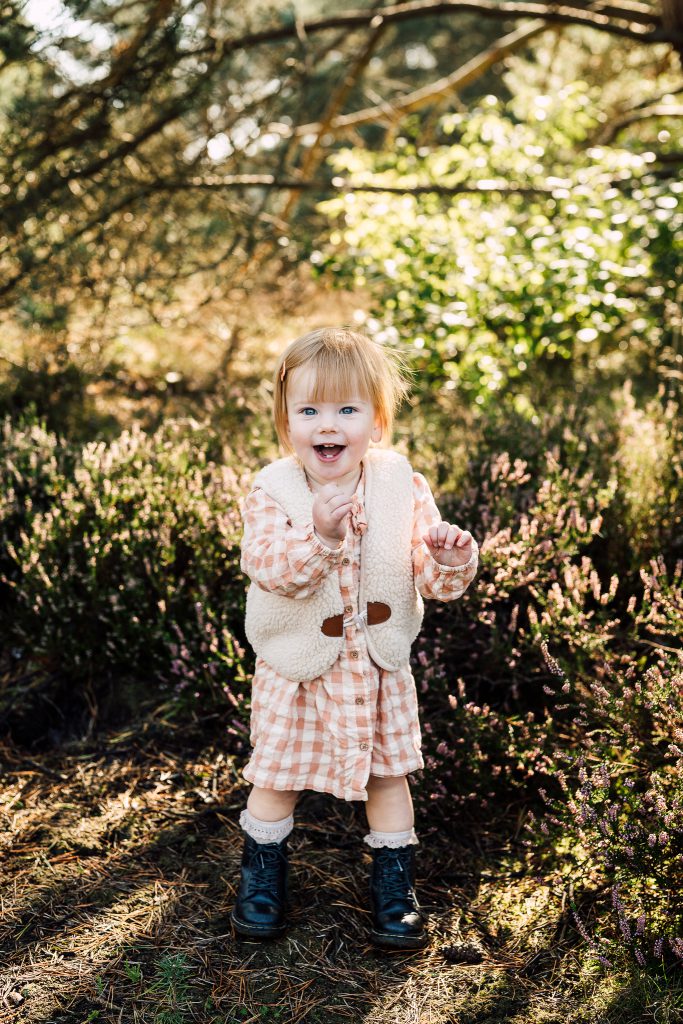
point(391, 839)
point(266, 831)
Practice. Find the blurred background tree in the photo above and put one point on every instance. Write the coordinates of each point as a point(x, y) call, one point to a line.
point(161, 162)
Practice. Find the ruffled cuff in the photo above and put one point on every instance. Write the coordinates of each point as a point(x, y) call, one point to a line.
point(467, 566)
point(319, 547)
point(443, 582)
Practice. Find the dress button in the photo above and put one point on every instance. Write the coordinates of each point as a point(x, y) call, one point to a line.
point(364, 746)
point(359, 700)
point(354, 654)
point(345, 561)
point(348, 608)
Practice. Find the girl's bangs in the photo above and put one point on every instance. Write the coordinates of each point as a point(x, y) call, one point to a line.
point(338, 376)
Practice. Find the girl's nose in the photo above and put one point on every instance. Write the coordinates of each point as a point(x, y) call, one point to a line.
point(328, 421)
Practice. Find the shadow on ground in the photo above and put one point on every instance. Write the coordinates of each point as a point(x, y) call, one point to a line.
point(121, 862)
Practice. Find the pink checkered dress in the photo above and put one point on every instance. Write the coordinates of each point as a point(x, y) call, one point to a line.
point(330, 733)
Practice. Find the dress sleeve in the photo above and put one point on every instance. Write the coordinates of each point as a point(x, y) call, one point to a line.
point(278, 556)
point(433, 580)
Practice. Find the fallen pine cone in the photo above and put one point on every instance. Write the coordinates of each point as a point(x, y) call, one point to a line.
point(463, 953)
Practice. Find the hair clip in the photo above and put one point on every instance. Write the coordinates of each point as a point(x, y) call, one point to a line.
point(283, 370)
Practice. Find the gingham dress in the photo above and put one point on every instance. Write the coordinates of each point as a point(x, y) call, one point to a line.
point(330, 733)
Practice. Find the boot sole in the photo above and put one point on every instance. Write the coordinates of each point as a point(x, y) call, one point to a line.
point(399, 941)
point(255, 931)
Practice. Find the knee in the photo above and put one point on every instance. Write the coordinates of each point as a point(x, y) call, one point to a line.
point(391, 783)
point(271, 804)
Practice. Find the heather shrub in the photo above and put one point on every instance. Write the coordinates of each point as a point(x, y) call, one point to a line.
point(587, 738)
point(648, 462)
point(477, 663)
point(614, 804)
point(661, 609)
point(34, 466)
point(131, 568)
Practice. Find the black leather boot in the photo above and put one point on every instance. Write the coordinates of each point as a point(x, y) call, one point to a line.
point(397, 920)
point(260, 910)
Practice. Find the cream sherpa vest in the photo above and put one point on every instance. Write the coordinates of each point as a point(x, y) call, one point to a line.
point(285, 631)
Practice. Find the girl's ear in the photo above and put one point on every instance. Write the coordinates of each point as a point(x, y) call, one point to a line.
point(377, 431)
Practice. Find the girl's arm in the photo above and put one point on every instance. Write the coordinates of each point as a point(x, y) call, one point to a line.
point(435, 581)
point(278, 556)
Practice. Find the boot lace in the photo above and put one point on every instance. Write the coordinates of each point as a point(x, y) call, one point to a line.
point(265, 867)
point(393, 882)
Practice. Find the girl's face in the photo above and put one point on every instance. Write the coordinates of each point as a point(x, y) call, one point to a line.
point(330, 438)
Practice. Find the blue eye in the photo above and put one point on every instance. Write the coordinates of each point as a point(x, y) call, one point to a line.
point(351, 407)
point(307, 410)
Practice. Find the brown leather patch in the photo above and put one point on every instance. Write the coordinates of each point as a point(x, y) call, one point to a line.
point(377, 612)
point(333, 626)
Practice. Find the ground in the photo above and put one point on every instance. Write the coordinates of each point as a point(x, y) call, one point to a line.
point(120, 865)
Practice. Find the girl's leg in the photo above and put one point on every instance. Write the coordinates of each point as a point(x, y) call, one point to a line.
point(389, 807)
point(267, 820)
point(269, 814)
point(272, 804)
point(397, 918)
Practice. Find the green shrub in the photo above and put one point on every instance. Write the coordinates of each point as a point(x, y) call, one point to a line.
point(34, 467)
point(555, 683)
point(614, 797)
point(486, 730)
point(550, 263)
point(648, 462)
point(131, 568)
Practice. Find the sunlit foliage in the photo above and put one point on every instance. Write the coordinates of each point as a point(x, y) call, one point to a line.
point(542, 258)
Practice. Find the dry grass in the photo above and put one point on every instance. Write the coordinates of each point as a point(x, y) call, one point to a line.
point(120, 864)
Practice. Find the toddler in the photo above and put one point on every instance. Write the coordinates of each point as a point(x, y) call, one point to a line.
point(342, 540)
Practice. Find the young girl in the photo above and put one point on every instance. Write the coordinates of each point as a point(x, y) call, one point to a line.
point(342, 540)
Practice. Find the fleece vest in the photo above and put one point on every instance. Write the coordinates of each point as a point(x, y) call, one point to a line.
point(286, 630)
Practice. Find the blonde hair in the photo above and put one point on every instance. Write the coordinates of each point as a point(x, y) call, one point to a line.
point(344, 361)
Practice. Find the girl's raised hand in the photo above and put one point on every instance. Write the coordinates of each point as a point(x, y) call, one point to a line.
point(330, 509)
point(449, 544)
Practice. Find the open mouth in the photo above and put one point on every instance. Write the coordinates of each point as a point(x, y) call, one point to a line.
point(329, 452)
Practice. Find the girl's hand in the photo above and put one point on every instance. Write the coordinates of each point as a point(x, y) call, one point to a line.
point(449, 544)
point(330, 509)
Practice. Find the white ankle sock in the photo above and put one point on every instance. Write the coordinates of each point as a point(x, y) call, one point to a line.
point(392, 839)
point(266, 831)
